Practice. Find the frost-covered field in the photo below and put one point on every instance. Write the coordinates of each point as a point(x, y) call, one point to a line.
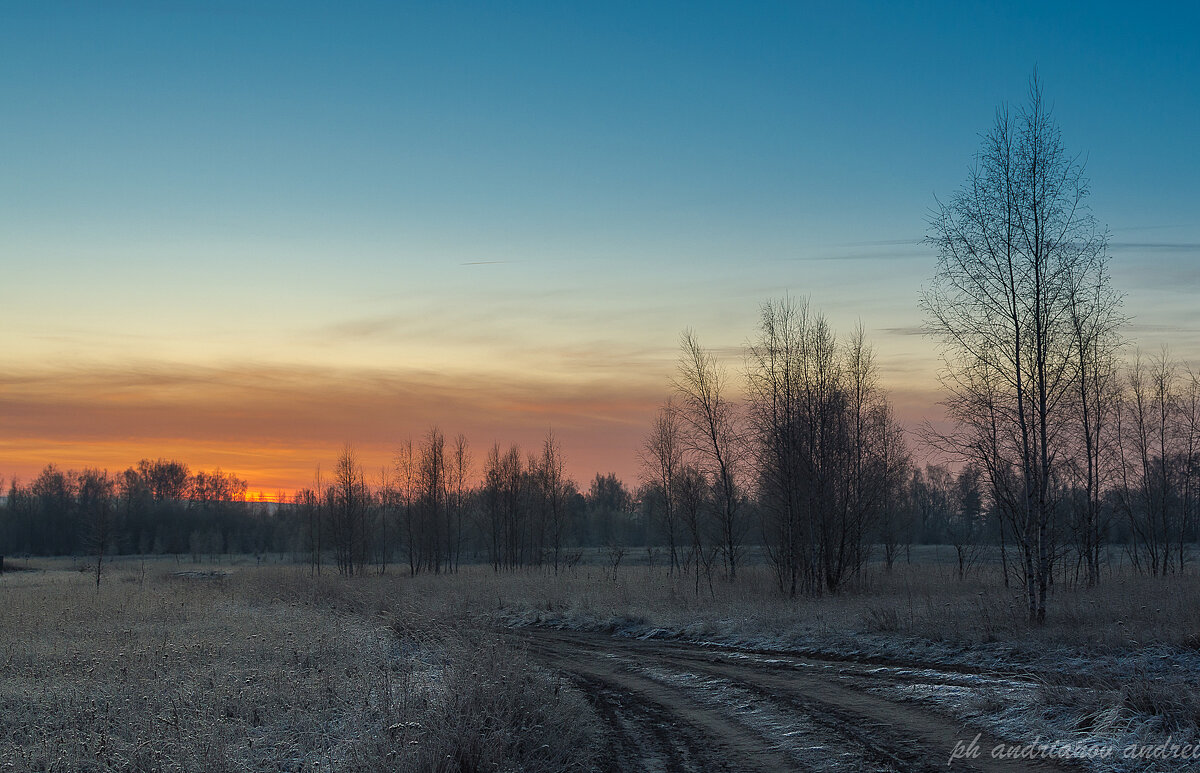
point(246, 668)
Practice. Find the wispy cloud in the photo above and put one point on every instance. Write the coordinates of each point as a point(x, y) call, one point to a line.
point(1180, 247)
point(282, 421)
point(886, 242)
point(869, 255)
point(910, 330)
point(875, 249)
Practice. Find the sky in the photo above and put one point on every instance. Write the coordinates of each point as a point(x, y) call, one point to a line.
point(245, 234)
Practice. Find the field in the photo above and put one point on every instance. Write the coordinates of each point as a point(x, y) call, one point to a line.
point(205, 668)
point(237, 665)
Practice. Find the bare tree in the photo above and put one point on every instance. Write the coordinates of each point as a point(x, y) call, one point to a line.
point(348, 513)
point(459, 472)
point(780, 382)
point(384, 502)
point(828, 451)
point(1157, 441)
point(553, 483)
point(492, 511)
point(661, 456)
point(965, 522)
point(895, 502)
point(506, 519)
point(432, 491)
point(1093, 318)
point(405, 496)
point(1013, 244)
point(312, 503)
point(97, 506)
point(1189, 413)
point(713, 438)
point(866, 419)
point(692, 495)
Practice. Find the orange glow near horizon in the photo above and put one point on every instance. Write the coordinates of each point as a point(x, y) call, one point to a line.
point(288, 471)
point(275, 428)
point(253, 495)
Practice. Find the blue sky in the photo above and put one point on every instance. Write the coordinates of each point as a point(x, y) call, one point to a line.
point(533, 194)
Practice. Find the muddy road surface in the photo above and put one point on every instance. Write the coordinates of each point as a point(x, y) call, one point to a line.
point(677, 707)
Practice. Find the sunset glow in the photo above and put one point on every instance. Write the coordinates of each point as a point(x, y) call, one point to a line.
point(244, 239)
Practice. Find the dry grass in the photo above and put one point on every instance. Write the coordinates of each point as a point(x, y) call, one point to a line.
point(265, 669)
point(920, 600)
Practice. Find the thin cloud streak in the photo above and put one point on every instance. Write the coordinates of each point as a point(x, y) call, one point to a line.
point(885, 243)
point(266, 413)
point(1156, 246)
point(911, 330)
point(275, 424)
point(859, 256)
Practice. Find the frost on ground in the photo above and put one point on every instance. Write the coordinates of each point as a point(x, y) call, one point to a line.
point(267, 669)
point(1114, 710)
point(805, 742)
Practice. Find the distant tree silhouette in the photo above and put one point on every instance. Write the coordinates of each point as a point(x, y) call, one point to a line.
point(829, 458)
point(713, 440)
point(97, 506)
point(661, 457)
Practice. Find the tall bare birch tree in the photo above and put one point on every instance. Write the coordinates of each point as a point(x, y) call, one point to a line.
point(1093, 317)
point(349, 513)
point(459, 472)
point(1014, 243)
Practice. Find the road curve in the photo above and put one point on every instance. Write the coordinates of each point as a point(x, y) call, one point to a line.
point(683, 708)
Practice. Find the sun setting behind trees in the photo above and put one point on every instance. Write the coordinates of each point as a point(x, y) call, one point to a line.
point(599, 388)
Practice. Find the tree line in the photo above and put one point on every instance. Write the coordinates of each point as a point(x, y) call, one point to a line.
point(811, 459)
point(432, 507)
point(419, 515)
point(428, 510)
point(155, 506)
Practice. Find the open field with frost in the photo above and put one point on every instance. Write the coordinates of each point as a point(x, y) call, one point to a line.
point(240, 666)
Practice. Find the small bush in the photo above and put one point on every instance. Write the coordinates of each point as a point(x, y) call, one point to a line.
point(495, 710)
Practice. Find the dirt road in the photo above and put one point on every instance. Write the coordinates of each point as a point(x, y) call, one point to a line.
point(679, 707)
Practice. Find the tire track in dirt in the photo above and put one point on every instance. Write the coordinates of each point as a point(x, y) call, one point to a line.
point(678, 707)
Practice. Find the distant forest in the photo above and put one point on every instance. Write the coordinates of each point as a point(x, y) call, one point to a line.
point(429, 518)
point(161, 507)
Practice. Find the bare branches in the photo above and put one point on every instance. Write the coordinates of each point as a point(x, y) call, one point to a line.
point(1027, 318)
point(712, 437)
point(828, 455)
point(662, 458)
